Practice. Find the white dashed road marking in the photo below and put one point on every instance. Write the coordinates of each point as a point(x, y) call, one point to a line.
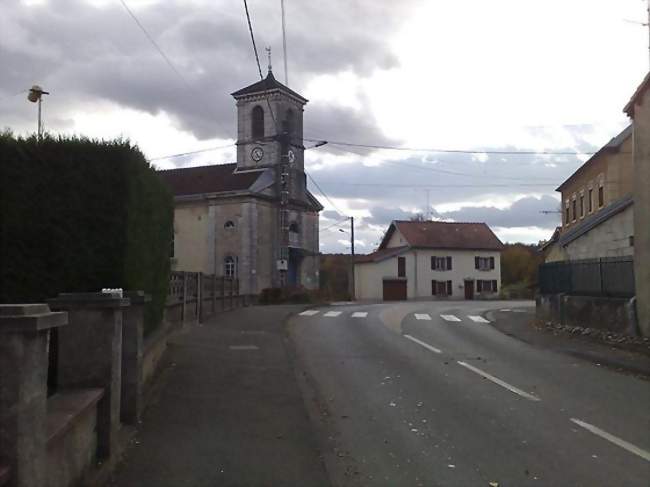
point(617, 441)
point(505, 309)
point(309, 312)
point(450, 318)
point(359, 314)
point(422, 316)
point(332, 314)
point(478, 319)
point(498, 381)
point(425, 345)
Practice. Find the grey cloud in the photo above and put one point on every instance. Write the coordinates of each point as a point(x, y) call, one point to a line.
point(92, 53)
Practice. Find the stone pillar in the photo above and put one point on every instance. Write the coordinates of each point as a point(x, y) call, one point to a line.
point(132, 336)
point(23, 390)
point(90, 355)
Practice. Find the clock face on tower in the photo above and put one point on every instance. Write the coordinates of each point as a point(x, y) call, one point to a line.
point(257, 154)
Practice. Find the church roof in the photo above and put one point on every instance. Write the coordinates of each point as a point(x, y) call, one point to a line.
point(267, 84)
point(636, 97)
point(208, 179)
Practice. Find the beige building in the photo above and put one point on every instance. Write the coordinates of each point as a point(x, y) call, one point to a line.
point(639, 110)
point(253, 219)
point(598, 206)
point(431, 260)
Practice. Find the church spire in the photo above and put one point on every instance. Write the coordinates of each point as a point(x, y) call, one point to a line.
point(268, 53)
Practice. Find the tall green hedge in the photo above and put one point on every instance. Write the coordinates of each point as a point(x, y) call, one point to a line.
point(79, 215)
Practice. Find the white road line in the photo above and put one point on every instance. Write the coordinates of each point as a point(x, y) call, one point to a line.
point(505, 309)
point(450, 318)
point(617, 441)
point(425, 345)
point(478, 319)
point(244, 347)
point(332, 314)
point(422, 316)
point(498, 381)
point(359, 314)
point(309, 312)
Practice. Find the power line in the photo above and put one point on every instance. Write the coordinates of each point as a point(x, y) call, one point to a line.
point(445, 171)
point(156, 46)
point(455, 151)
point(181, 154)
point(393, 185)
point(325, 195)
point(333, 225)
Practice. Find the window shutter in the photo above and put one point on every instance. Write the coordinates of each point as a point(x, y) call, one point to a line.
point(433, 263)
point(475, 262)
point(433, 288)
point(491, 262)
point(448, 288)
point(479, 286)
point(494, 286)
point(448, 263)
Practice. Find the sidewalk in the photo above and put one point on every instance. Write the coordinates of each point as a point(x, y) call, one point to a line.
point(228, 411)
point(520, 325)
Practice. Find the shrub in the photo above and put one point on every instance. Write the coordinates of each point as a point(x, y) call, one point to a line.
point(77, 215)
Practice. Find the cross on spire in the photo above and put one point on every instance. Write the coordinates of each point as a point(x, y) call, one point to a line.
point(268, 53)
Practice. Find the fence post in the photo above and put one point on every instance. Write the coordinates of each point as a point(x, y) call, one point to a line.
point(214, 293)
point(199, 297)
point(24, 330)
point(600, 274)
point(183, 308)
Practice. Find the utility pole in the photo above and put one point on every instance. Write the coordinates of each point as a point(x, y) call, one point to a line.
point(352, 290)
point(284, 44)
point(285, 188)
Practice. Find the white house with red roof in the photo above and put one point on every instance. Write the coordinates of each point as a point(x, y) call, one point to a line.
point(431, 260)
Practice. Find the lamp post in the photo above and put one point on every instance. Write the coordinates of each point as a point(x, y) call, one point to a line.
point(35, 95)
point(351, 280)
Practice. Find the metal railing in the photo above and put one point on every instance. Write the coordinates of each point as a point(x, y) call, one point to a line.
point(607, 276)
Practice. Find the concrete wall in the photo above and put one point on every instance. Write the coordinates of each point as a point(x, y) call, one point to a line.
point(369, 276)
point(615, 170)
point(611, 314)
point(609, 239)
point(642, 211)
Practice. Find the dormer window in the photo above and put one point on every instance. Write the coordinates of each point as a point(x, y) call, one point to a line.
point(229, 225)
point(257, 127)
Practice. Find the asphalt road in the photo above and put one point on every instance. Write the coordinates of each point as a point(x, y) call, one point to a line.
point(431, 394)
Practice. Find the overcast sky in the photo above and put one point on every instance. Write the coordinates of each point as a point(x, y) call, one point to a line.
point(516, 75)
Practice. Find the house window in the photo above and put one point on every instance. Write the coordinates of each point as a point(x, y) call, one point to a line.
point(601, 196)
point(486, 286)
point(484, 263)
point(293, 227)
point(590, 201)
point(441, 288)
point(573, 209)
point(401, 267)
point(173, 242)
point(230, 266)
point(229, 224)
point(441, 263)
point(582, 205)
point(257, 127)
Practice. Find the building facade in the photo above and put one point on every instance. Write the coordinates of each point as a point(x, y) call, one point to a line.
point(598, 205)
point(431, 260)
point(638, 109)
point(254, 219)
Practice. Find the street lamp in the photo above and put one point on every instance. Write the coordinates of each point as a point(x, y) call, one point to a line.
point(35, 95)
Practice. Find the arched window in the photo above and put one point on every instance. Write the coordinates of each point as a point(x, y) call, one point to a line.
point(230, 266)
point(289, 122)
point(229, 225)
point(258, 122)
point(293, 227)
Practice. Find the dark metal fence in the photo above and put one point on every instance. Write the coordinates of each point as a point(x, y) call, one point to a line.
point(608, 276)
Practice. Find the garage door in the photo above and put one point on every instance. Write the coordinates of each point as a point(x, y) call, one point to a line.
point(394, 290)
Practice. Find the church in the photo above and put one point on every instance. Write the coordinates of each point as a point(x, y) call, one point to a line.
point(253, 220)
